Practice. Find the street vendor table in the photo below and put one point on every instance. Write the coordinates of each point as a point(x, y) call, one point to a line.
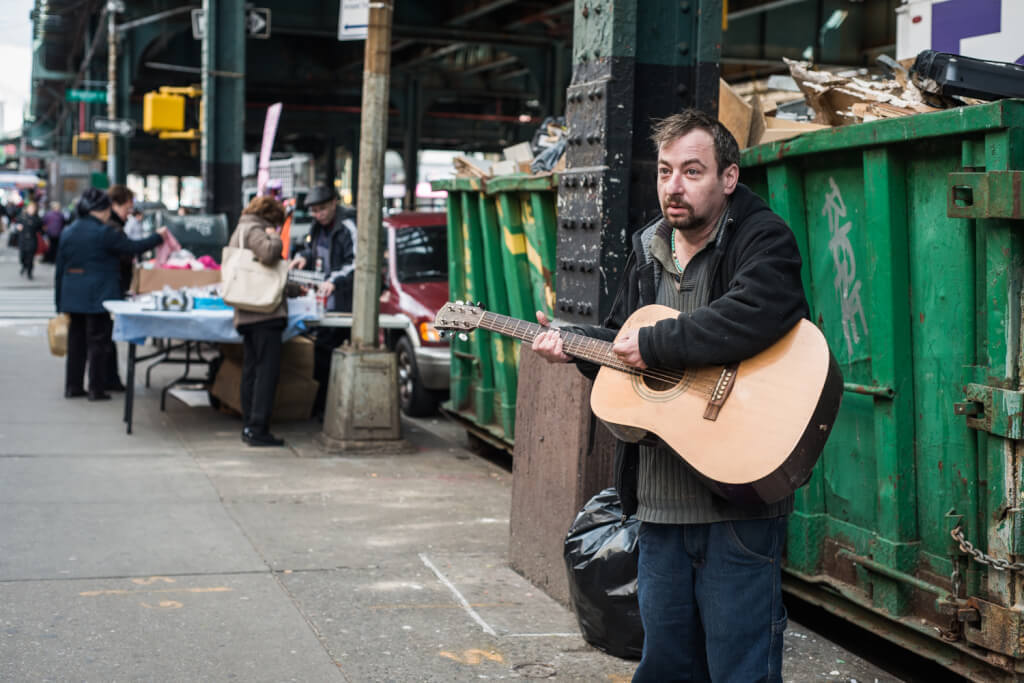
point(190, 329)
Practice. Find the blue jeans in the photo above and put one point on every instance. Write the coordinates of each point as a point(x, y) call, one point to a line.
point(711, 601)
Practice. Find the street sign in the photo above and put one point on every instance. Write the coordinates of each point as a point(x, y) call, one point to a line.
point(353, 19)
point(122, 127)
point(79, 95)
point(257, 22)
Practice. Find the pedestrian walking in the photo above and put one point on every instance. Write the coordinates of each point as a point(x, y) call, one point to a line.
point(53, 225)
point(30, 229)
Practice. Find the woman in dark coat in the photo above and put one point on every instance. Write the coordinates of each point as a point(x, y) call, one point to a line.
point(87, 274)
point(261, 332)
point(30, 227)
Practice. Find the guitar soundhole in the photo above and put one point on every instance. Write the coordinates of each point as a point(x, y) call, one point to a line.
point(659, 386)
point(657, 383)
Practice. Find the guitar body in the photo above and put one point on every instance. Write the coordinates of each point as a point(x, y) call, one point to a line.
point(766, 435)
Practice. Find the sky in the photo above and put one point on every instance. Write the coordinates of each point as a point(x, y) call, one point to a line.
point(16, 58)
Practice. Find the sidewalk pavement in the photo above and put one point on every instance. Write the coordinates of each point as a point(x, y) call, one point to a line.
point(178, 553)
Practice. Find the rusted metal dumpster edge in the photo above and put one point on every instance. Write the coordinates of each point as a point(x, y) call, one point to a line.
point(907, 632)
point(920, 126)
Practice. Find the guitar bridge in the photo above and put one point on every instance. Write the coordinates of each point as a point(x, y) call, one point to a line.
point(721, 392)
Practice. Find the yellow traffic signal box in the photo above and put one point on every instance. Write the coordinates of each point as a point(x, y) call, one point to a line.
point(162, 112)
point(91, 145)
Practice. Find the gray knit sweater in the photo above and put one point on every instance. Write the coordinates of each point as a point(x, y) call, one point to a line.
point(668, 491)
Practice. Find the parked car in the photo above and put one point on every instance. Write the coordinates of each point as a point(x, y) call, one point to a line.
point(415, 285)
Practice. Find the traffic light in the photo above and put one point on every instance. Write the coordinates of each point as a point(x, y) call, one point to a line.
point(92, 146)
point(163, 112)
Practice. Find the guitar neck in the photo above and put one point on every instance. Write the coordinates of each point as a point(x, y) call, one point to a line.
point(576, 345)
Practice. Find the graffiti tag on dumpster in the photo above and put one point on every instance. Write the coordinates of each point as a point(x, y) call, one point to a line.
point(847, 285)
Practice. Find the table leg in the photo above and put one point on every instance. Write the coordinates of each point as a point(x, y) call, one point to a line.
point(129, 387)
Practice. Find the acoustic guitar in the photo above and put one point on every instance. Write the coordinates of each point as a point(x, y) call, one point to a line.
point(752, 430)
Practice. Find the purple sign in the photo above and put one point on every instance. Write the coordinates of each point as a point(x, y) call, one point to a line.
point(954, 20)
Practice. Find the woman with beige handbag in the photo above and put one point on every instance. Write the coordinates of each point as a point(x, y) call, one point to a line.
point(255, 278)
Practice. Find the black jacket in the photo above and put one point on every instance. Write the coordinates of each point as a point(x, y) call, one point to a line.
point(342, 243)
point(127, 260)
point(89, 265)
point(756, 297)
point(31, 228)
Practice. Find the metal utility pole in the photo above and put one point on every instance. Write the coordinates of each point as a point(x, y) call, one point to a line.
point(362, 394)
point(113, 7)
point(369, 203)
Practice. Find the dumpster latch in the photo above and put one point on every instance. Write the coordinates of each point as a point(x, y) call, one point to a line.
point(992, 194)
point(993, 410)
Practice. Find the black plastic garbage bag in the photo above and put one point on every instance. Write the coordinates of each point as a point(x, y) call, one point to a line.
point(600, 558)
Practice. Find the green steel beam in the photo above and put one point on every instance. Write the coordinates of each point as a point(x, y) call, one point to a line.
point(223, 106)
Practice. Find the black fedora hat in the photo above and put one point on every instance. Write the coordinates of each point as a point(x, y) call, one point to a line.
point(319, 195)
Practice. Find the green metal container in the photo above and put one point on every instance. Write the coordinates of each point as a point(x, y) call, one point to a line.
point(501, 246)
point(913, 252)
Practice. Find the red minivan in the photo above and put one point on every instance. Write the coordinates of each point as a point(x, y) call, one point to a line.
point(415, 285)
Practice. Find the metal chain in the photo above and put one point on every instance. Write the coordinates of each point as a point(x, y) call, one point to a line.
point(996, 563)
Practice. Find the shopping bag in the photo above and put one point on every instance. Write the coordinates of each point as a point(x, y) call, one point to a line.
point(247, 283)
point(57, 334)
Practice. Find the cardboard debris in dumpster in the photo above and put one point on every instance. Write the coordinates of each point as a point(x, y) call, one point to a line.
point(839, 100)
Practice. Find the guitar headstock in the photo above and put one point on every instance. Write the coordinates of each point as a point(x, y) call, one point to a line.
point(456, 315)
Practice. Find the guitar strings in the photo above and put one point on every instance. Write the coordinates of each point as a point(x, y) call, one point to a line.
point(589, 348)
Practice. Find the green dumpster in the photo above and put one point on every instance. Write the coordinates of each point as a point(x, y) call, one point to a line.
point(913, 243)
point(501, 246)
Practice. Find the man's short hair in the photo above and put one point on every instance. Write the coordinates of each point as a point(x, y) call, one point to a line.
point(120, 194)
point(267, 208)
point(673, 127)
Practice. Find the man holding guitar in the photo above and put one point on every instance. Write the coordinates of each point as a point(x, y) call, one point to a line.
point(709, 568)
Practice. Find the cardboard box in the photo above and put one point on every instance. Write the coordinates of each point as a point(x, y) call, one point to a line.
point(734, 113)
point(296, 391)
point(519, 152)
point(154, 279)
point(781, 129)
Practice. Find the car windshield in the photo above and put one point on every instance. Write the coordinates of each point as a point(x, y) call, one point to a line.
point(422, 253)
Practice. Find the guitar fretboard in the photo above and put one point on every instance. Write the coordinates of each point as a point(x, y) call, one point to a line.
point(577, 345)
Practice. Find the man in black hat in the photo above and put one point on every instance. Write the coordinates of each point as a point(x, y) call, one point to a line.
point(329, 248)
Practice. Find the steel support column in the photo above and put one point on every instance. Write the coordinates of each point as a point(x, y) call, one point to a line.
point(623, 79)
point(411, 143)
point(223, 106)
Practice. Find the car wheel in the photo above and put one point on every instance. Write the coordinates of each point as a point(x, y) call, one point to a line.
point(414, 399)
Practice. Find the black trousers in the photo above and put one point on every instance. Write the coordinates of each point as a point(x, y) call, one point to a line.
point(51, 252)
point(327, 339)
point(28, 260)
point(261, 367)
point(88, 344)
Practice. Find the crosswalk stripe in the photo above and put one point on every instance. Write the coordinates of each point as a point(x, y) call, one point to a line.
point(24, 302)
